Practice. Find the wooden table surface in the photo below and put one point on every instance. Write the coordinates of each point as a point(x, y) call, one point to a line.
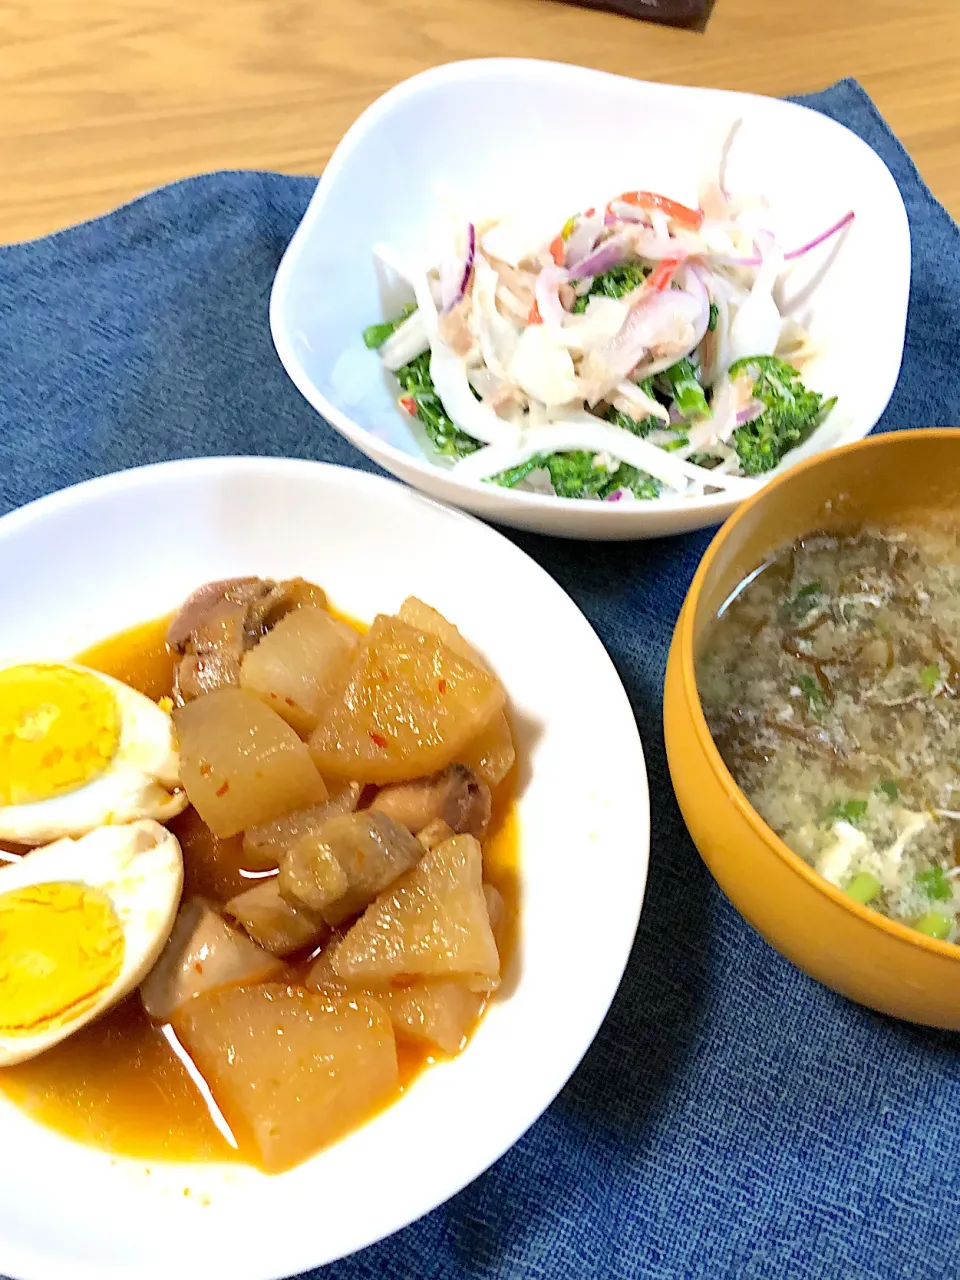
point(103, 99)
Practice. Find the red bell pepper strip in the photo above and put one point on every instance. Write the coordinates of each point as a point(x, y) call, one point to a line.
point(660, 277)
point(681, 213)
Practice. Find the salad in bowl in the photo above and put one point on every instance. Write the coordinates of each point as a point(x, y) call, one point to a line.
point(637, 351)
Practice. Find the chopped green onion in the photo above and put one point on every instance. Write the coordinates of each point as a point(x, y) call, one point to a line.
point(890, 789)
point(375, 335)
point(934, 924)
point(863, 887)
point(930, 677)
point(934, 883)
point(852, 811)
point(687, 391)
point(816, 698)
point(714, 317)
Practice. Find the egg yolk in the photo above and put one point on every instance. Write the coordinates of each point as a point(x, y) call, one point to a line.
point(61, 947)
point(59, 729)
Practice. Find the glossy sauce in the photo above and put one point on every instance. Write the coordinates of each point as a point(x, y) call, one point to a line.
point(118, 1084)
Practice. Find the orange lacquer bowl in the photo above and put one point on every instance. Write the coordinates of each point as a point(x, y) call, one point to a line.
point(883, 480)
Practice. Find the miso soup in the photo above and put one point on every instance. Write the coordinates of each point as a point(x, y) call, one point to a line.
point(831, 685)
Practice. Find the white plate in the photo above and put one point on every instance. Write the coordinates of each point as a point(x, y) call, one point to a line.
point(503, 134)
point(87, 562)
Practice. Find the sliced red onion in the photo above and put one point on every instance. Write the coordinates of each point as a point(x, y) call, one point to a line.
point(824, 235)
point(549, 305)
point(454, 278)
point(583, 237)
point(615, 496)
point(749, 413)
point(756, 260)
point(609, 254)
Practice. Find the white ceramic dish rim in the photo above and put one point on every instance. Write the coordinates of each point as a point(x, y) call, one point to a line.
point(713, 505)
point(19, 522)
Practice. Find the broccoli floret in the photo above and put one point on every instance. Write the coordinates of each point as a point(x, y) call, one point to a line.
point(791, 413)
point(575, 475)
point(637, 427)
point(612, 284)
point(447, 439)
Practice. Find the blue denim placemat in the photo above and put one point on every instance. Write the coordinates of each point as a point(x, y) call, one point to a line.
point(733, 1118)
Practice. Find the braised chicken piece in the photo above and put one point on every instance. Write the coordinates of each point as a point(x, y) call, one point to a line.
point(220, 621)
point(202, 954)
point(456, 795)
point(340, 869)
point(273, 923)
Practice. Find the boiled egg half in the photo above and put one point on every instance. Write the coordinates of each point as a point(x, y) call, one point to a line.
point(81, 923)
point(79, 750)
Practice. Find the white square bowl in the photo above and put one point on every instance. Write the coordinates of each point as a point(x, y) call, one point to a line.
point(501, 134)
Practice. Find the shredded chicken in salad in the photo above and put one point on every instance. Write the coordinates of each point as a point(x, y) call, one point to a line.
point(638, 353)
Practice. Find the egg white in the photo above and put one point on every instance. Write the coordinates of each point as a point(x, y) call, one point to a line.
point(140, 869)
point(141, 781)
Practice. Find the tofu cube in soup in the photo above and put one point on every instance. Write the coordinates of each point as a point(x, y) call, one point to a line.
point(240, 763)
point(291, 1070)
point(431, 923)
point(409, 706)
point(298, 665)
point(340, 869)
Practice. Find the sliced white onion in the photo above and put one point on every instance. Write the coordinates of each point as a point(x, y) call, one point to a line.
point(634, 401)
point(426, 306)
point(549, 305)
point(654, 248)
point(599, 324)
point(407, 341)
point(496, 335)
point(449, 374)
point(755, 328)
point(544, 368)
